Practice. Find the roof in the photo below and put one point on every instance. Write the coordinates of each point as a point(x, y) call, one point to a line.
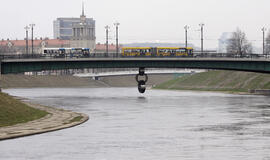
point(22, 43)
point(102, 47)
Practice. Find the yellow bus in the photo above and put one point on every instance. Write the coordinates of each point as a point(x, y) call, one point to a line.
point(157, 52)
point(136, 51)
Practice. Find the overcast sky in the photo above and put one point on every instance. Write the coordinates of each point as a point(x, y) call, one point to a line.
point(142, 20)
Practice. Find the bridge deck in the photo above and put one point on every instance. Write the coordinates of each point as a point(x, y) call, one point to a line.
point(136, 59)
point(241, 64)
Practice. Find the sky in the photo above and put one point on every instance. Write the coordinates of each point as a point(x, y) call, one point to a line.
point(142, 20)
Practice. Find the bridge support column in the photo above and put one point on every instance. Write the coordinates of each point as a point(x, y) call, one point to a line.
point(142, 82)
point(0, 74)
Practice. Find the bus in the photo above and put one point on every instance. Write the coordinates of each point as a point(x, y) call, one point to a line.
point(66, 52)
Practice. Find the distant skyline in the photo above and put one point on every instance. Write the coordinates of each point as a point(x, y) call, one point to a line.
point(142, 20)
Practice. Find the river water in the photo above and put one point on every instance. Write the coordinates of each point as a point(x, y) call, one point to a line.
point(159, 125)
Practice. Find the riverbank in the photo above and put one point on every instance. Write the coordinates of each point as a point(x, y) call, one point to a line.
point(67, 81)
point(13, 111)
point(222, 81)
point(55, 119)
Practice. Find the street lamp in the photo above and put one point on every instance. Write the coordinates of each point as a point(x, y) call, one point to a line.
point(201, 25)
point(26, 39)
point(107, 41)
point(263, 30)
point(117, 49)
point(186, 28)
point(32, 28)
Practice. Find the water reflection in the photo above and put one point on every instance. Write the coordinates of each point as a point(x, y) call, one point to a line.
point(158, 125)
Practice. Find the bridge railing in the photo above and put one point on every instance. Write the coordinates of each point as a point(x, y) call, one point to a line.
point(115, 55)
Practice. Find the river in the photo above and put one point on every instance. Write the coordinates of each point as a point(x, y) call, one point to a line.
point(158, 125)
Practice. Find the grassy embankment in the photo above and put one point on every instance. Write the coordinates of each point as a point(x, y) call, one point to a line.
point(13, 111)
point(228, 81)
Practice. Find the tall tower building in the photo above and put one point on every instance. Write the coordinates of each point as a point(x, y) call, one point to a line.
point(63, 27)
point(83, 33)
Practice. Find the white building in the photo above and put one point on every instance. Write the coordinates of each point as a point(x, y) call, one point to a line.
point(223, 42)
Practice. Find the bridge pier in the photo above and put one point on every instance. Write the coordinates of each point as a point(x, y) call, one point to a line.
point(141, 83)
point(0, 74)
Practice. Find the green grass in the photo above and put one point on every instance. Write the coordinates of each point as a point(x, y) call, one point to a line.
point(228, 81)
point(76, 119)
point(13, 111)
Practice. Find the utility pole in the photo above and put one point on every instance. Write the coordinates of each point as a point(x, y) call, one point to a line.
point(32, 28)
point(26, 39)
point(186, 29)
point(117, 48)
point(107, 39)
point(263, 30)
point(201, 25)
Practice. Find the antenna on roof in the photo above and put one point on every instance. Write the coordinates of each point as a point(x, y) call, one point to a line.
point(82, 8)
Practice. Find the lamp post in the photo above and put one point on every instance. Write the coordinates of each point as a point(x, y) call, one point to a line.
point(201, 25)
point(186, 29)
point(26, 39)
point(263, 30)
point(117, 48)
point(32, 29)
point(107, 41)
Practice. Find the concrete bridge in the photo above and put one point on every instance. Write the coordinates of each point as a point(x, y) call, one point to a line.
point(261, 65)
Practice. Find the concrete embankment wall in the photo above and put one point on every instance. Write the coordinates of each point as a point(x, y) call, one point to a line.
point(24, 81)
point(129, 81)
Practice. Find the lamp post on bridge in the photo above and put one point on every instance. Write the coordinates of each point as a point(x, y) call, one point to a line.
point(186, 29)
point(26, 39)
point(263, 30)
point(201, 25)
point(117, 48)
point(32, 29)
point(107, 39)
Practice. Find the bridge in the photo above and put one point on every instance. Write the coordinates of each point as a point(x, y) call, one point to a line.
point(261, 65)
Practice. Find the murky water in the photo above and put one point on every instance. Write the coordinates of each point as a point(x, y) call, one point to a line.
point(159, 125)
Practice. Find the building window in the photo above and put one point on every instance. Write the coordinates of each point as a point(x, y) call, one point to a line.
point(66, 31)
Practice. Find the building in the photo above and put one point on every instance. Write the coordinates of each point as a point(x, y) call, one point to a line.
point(62, 27)
point(19, 46)
point(68, 33)
point(223, 42)
point(83, 34)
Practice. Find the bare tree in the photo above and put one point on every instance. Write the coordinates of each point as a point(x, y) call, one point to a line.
point(238, 43)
